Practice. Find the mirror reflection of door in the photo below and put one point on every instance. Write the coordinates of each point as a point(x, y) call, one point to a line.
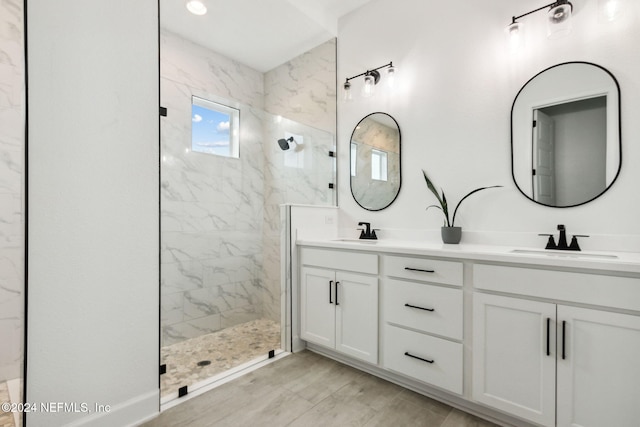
point(570, 151)
point(544, 181)
point(582, 104)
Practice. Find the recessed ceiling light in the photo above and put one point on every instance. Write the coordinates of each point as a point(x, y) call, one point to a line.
point(197, 7)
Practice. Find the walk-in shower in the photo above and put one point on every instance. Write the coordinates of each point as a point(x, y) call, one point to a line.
point(222, 184)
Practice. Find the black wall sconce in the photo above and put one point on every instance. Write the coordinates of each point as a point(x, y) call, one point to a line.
point(371, 79)
point(558, 23)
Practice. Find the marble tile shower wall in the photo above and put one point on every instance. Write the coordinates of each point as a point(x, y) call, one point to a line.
point(302, 92)
point(212, 207)
point(11, 189)
point(300, 175)
point(220, 217)
point(304, 88)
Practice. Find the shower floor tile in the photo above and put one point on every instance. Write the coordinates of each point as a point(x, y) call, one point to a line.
point(224, 350)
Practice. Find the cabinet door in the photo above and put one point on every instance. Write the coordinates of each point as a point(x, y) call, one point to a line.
point(514, 357)
point(599, 375)
point(317, 309)
point(357, 316)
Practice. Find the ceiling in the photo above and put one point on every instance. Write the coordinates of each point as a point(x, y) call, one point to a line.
point(259, 33)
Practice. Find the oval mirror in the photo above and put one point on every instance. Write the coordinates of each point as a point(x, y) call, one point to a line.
point(375, 161)
point(565, 134)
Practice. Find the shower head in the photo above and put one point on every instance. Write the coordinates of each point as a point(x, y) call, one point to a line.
point(284, 143)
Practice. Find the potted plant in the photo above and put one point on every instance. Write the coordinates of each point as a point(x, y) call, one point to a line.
point(450, 233)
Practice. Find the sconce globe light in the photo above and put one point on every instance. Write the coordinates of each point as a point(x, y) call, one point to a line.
point(609, 10)
point(513, 32)
point(197, 7)
point(369, 86)
point(346, 92)
point(391, 76)
point(371, 79)
point(559, 23)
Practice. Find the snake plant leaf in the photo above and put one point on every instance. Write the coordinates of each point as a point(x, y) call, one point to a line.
point(442, 200)
point(432, 187)
point(445, 209)
point(469, 194)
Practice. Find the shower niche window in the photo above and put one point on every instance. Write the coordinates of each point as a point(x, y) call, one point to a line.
point(214, 128)
point(354, 156)
point(378, 165)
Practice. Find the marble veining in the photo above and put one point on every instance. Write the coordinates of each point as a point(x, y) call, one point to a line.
point(11, 189)
point(304, 88)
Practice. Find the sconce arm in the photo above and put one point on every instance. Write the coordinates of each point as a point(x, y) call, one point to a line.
point(390, 64)
point(555, 3)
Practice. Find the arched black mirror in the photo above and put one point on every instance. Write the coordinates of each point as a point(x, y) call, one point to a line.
point(375, 161)
point(565, 134)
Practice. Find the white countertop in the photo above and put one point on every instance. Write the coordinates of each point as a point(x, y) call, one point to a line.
point(623, 262)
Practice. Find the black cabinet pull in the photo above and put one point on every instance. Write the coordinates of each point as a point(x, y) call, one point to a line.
point(330, 283)
point(548, 338)
point(420, 270)
point(420, 308)
point(406, 353)
point(564, 324)
point(337, 283)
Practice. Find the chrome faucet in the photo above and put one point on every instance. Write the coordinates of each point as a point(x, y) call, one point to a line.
point(367, 232)
point(562, 240)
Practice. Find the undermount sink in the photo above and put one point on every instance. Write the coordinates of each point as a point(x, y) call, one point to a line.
point(369, 241)
point(563, 254)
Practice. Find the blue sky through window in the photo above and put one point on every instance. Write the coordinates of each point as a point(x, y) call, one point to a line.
point(210, 131)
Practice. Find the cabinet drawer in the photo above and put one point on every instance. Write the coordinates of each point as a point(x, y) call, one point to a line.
point(428, 308)
point(585, 288)
point(445, 370)
point(428, 270)
point(358, 262)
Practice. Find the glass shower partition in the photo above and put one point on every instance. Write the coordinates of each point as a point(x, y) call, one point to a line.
point(222, 298)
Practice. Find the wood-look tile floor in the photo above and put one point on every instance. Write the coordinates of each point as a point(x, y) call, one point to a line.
point(6, 418)
point(306, 389)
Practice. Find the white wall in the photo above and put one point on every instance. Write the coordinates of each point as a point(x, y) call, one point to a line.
point(456, 83)
point(93, 125)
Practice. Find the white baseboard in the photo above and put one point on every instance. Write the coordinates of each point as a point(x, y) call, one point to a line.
point(132, 412)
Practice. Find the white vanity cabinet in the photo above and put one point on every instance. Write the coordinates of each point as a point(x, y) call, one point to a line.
point(554, 363)
point(423, 320)
point(339, 301)
point(521, 340)
point(514, 362)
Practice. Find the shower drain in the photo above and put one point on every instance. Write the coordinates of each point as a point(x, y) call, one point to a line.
point(204, 362)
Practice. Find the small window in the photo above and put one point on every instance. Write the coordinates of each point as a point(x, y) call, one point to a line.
point(378, 165)
point(354, 154)
point(214, 128)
